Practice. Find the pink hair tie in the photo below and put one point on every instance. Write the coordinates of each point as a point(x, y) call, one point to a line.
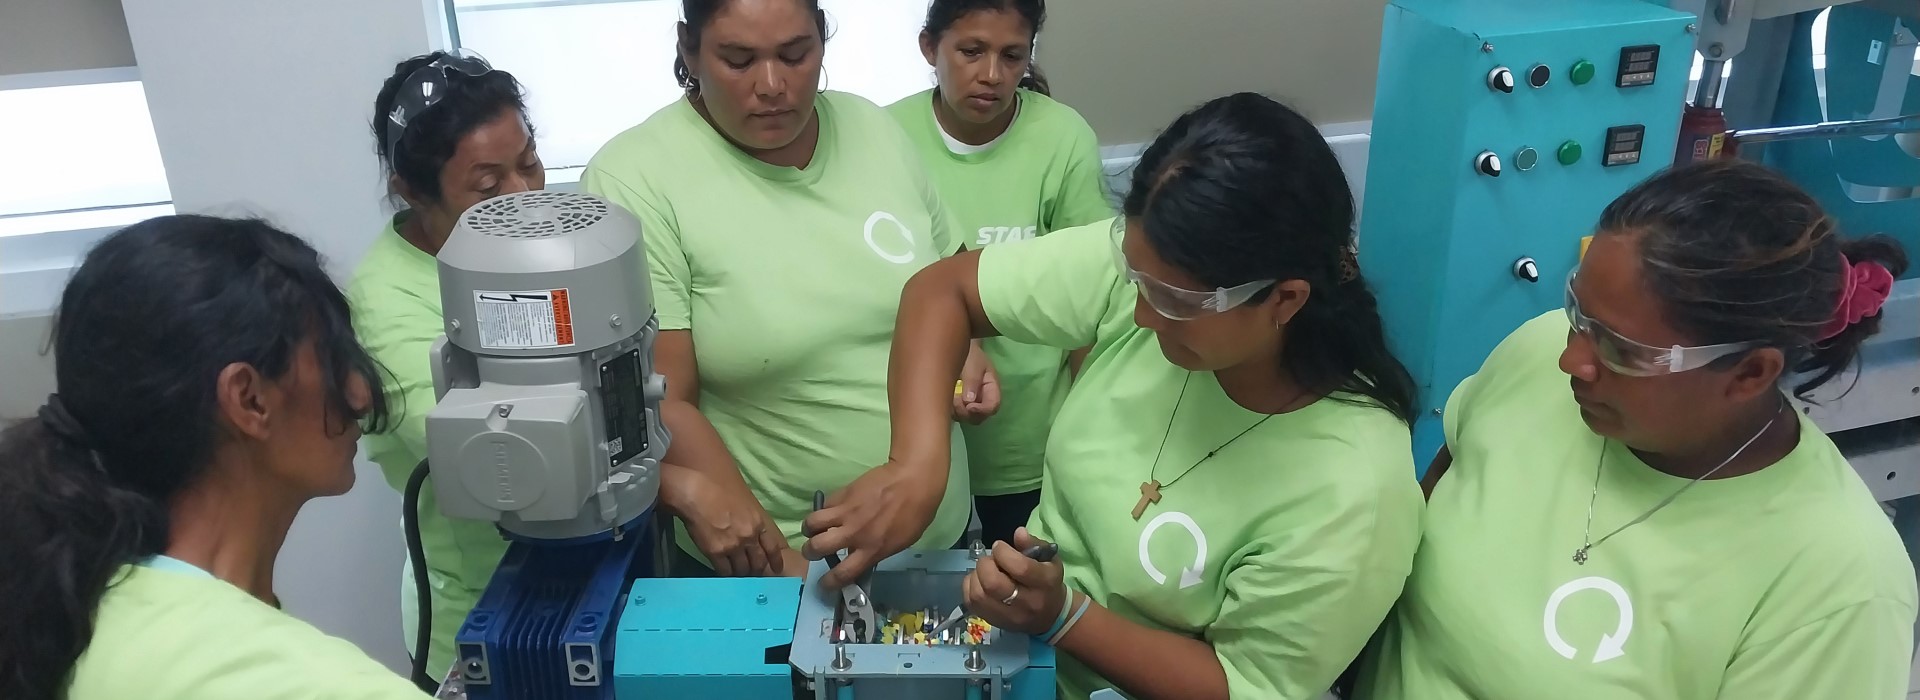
point(1865, 289)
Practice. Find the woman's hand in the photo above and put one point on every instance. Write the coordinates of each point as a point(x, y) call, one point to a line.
point(875, 517)
point(792, 564)
point(1014, 592)
point(978, 396)
point(727, 524)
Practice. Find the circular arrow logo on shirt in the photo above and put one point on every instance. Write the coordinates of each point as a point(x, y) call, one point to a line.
point(900, 228)
point(1190, 576)
point(1612, 646)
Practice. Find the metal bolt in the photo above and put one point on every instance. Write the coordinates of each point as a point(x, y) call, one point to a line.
point(840, 660)
point(504, 410)
point(1693, 29)
point(639, 600)
point(455, 325)
point(761, 599)
point(1436, 411)
point(1486, 47)
point(976, 662)
point(615, 321)
point(1716, 49)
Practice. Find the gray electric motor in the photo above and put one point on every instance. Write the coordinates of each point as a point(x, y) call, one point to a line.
point(548, 418)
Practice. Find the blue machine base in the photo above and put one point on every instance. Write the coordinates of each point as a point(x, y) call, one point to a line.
point(544, 627)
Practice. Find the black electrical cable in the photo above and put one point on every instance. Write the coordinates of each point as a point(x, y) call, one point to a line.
point(423, 600)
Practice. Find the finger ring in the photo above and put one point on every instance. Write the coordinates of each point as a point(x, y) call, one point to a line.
point(1011, 596)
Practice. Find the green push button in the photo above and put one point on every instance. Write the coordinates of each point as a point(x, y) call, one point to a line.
point(1569, 153)
point(1582, 72)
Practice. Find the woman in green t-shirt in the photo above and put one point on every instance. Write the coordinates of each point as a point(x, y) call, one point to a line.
point(1011, 163)
point(1631, 508)
point(209, 386)
point(1228, 482)
point(450, 131)
point(780, 223)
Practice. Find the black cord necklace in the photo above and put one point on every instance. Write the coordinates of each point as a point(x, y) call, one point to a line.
point(1150, 489)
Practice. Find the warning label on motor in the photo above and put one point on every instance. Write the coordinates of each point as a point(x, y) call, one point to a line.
point(524, 320)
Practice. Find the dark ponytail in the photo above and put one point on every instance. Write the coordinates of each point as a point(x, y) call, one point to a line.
point(145, 327)
point(941, 15)
point(1243, 188)
point(69, 528)
point(695, 15)
point(1736, 252)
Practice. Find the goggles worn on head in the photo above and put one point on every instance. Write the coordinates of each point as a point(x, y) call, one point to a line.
point(1178, 303)
point(1636, 359)
point(425, 87)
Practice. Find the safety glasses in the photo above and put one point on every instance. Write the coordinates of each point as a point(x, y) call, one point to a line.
point(1636, 359)
point(1177, 303)
point(425, 87)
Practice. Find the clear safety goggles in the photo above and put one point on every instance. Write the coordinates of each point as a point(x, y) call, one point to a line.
point(1636, 359)
point(426, 86)
point(1179, 303)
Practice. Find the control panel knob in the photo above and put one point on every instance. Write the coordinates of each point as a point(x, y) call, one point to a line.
point(1500, 79)
point(1526, 269)
point(1488, 163)
point(1539, 75)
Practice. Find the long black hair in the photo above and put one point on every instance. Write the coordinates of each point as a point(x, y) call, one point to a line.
point(433, 136)
point(698, 14)
point(1736, 252)
point(943, 13)
point(144, 329)
point(1243, 188)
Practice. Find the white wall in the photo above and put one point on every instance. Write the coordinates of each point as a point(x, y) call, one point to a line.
point(38, 36)
point(262, 107)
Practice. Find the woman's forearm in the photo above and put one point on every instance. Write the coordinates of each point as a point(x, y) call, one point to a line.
point(696, 445)
point(1145, 663)
point(930, 344)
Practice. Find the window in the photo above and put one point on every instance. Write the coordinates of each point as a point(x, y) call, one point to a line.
point(593, 68)
point(89, 153)
point(82, 162)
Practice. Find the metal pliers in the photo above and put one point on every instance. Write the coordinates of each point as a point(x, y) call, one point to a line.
point(855, 602)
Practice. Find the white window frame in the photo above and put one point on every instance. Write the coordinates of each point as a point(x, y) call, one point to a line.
point(35, 263)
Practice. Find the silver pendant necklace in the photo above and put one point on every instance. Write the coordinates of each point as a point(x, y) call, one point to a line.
point(1580, 555)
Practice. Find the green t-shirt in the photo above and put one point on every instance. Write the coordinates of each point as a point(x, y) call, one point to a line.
point(789, 280)
point(167, 631)
point(1041, 175)
point(1785, 583)
point(395, 294)
point(1284, 551)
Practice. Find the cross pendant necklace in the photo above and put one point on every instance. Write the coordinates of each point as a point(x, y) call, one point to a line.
point(1150, 489)
point(1149, 493)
